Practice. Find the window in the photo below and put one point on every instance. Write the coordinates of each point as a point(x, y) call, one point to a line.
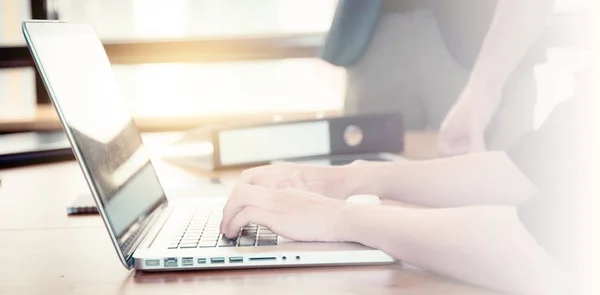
point(210, 58)
point(196, 88)
point(175, 19)
point(281, 86)
point(17, 94)
point(261, 56)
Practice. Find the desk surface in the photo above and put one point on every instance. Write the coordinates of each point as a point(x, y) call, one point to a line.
point(46, 252)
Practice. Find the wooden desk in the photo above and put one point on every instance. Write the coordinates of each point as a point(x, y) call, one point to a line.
point(45, 252)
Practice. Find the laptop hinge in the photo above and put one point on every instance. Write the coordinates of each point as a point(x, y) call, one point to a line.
point(145, 229)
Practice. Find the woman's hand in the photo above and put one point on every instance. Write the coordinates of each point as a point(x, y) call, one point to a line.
point(463, 129)
point(338, 182)
point(294, 212)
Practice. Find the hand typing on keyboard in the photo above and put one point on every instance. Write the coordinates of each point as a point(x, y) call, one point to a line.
point(293, 212)
point(201, 230)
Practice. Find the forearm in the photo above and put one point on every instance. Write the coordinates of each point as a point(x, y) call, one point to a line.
point(515, 27)
point(489, 178)
point(485, 246)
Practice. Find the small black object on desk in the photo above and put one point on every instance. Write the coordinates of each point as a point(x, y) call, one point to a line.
point(83, 204)
point(31, 148)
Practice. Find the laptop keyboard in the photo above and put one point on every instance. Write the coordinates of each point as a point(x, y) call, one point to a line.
point(201, 230)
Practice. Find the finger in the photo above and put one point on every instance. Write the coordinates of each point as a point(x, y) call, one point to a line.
point(298, 181)
point(264, 175)
point(247, 215)
point(246, 195)
point(250, 176)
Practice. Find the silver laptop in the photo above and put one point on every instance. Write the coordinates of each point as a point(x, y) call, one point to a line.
point(149, 231)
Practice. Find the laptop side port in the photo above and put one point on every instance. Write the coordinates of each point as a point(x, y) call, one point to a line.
point(187, 261)
point(201, 260)
point(171, 262)
point(262, 258)
point(236, 259)
point(217, 260)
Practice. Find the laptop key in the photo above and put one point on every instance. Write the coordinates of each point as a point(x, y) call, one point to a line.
point(190, 239)
point(187, 246)
point(225, 242)
point(207, 244)
point(266, 242)
point(211, 233)
point(247, 234)
point(190, 242)
point(269, 240)
point(246, 241)
point(209, 238)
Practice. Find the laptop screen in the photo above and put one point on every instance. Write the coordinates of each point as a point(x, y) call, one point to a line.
point(108, 144)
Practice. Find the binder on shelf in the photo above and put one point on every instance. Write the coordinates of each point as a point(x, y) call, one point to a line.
point(249, 145)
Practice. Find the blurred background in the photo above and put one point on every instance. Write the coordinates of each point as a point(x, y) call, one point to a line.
point(183, 63)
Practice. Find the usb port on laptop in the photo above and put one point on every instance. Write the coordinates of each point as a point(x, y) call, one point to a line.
point(217, 260)
point(236, 259)
point(187, 261)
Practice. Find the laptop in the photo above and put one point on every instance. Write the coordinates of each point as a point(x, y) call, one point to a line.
point(150, 231)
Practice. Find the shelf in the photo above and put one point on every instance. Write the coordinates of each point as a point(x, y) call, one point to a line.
point(45, 119)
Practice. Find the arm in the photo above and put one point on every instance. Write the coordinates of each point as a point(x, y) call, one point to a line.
point(488, 178)
point(485, 246)
point(515, 27)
